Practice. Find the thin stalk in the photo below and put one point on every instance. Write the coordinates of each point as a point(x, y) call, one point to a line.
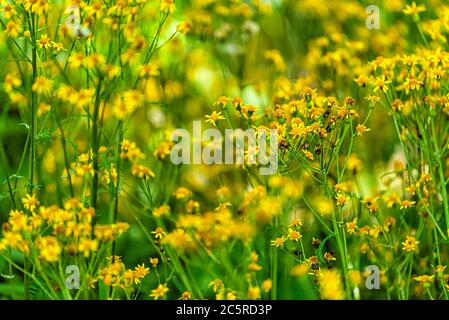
point(443, 189)
point(33, 128)
point(274, 264)
point(64, 151)
point(341, 248)
point(33, 109)
point(4, 163)
point(95, 146)
point(117, 189)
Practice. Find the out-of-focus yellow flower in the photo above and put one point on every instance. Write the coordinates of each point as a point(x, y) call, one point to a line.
point(11, 81)
point(154, 262)
point(186, 295)
point(341, 199)
point(294, 235)
point(413, 9)
point(42, 85)
point(49, 248)
point(351, 226)
point(299, 270)
point(214, 117)
point(279, 242)
point(361, 129)
point(331, 286)
point(424, 278)
point(182, 193)
point(355, 277)
point(184, 27)
point(36, 6)
point(87, 246)
point(410, 244)
point(253, 293)
point(168, 6)
point(405, 204)
point(159, 292)
point(141, 171)
point(267, 285)
point(30, 202)
point(44, 42)
point(276, 57)
point(161, 211)
point(158, 233)
point(12, 29)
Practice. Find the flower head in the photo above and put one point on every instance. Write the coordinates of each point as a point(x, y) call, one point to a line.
point(413, 9)
point(30, 202)
point(361, 129)
point(214, 117)
point(279, 242)
point(159, 292)
point(44, 42)
point(42, 85)
point(410, 244)
point(341, 199)
point(168, 6)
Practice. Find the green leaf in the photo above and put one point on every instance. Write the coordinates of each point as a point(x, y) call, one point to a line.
point(321, 248)
point(36, 291)
point(12, 290)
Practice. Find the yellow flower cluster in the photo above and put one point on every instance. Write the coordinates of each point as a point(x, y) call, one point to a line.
point(116, 275)
point(67, 230)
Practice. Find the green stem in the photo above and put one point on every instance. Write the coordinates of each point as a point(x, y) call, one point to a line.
point(117, 189)
point(343, 258)
point(31, 22)
point(64, 151)
point(4, 163)
point(95, 146)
